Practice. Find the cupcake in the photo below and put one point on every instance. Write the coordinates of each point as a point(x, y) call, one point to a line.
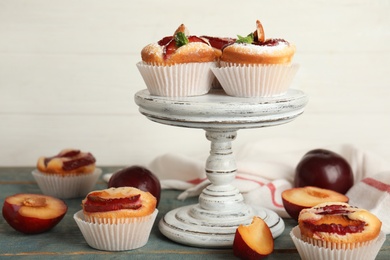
point(69, 174)
point(117, 219)
point(335, 230)
point(253, 66)
point(178, 65)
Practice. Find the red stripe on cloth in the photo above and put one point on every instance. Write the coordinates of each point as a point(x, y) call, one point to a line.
point(196, 181)
point(377, 184)
point(247, 179)
point(272, 188)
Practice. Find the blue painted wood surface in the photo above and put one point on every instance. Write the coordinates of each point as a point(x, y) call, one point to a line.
point(65, 241)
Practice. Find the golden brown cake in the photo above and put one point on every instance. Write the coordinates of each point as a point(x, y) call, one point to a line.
point(338, 224)
point(254, 66)
point(178, 65)
point(68, 161)
point(177, 49)
point(255, 49)
point(112, 204)
point(117, 219)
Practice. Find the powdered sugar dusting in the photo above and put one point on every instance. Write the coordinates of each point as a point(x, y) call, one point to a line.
point(260, 49)
point(154, 48)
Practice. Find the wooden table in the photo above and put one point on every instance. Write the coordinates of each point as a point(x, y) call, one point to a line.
point(66, 241)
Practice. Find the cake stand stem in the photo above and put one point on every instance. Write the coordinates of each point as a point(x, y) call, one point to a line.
point(221, 169)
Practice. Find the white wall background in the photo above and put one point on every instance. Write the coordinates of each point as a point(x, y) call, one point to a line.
point(68, 74)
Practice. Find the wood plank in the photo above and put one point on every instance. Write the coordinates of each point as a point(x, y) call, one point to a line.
point(101, 26)
point(65, 241)
point(106, 84)
point(127, 140)
point(68, 75)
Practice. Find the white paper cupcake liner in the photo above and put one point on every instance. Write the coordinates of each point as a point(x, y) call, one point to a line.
point(180, 80)
point(131, 234)
point(66, 187)
point(362, 251)
point(255, 80)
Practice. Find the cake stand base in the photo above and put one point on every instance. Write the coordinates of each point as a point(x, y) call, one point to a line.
point(182, 227)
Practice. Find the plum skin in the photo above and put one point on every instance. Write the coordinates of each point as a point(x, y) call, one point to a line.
point(324, 169)
point(25, 224)
point(137, 177)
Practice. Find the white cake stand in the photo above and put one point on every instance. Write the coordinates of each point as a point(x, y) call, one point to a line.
point(213, 221)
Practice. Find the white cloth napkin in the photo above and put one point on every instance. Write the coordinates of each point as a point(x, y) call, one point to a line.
point(373, 193)
point(265, 169)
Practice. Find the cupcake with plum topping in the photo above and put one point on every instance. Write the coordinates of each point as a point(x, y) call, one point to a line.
point(117, 219)
point(336, 230)
point(254, 66)
point(69, 174)
point(178, 65)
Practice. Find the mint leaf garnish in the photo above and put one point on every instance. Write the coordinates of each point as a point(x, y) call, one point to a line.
point(181, 39)
point(248, 39)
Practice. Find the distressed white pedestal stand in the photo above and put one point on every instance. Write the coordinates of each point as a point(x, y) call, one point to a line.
point(221, 208)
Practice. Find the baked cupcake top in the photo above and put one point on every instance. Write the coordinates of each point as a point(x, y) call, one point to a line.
point(122, 202)
point(338, 222)
point(255, 49)
point(178, 48)
point(67, 161)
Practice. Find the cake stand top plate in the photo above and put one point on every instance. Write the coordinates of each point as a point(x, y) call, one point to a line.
point(218, 111)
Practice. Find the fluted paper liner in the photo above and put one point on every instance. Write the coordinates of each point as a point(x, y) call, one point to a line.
point(180, 80)
point(132, 233)
point(360, 251)
point(255, 80)
point(66, 187)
